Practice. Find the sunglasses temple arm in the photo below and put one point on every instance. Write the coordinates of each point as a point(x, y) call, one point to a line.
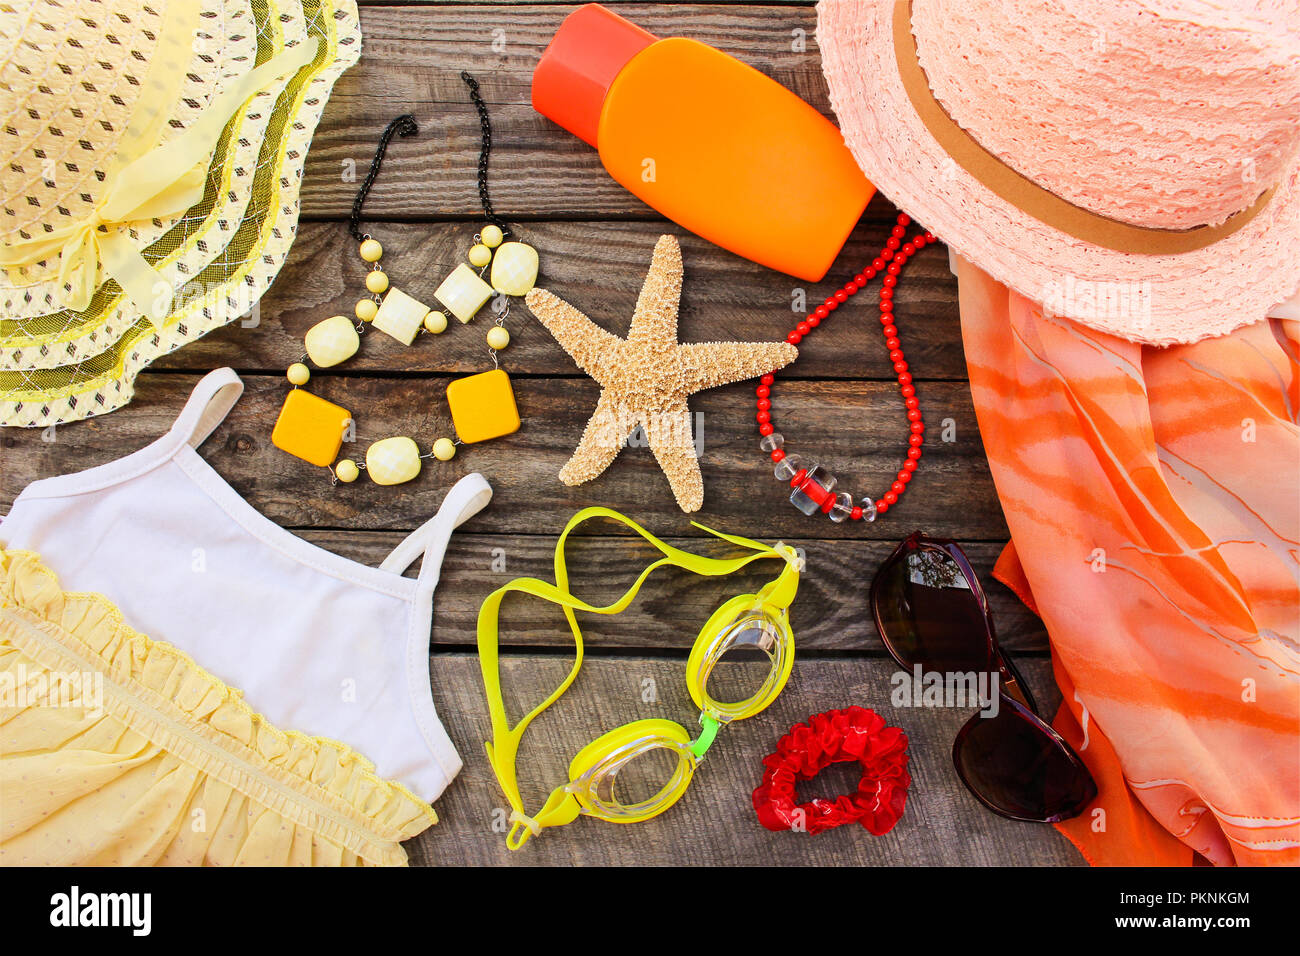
point(1014, 684)
point(1011, 684)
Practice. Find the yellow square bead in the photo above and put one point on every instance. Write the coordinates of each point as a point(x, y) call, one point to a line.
point(483, 406)
point(310, 428)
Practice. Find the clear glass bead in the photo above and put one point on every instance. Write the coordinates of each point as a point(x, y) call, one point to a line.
point(843, 507)
point(813, 490)
point(868, 508)
point(787, 467)
point(771, 442)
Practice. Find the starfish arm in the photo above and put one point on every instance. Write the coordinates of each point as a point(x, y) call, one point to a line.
point(655, 319)
point(601, 441)
point(669, 431)
point(709, 364)
point(590, 346)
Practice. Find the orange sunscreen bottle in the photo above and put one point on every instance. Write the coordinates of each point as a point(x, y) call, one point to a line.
point(711, 143)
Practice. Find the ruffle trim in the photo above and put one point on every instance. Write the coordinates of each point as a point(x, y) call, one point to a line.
point(162, 693)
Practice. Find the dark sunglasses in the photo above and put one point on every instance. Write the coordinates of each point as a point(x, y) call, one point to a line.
point(930, 610)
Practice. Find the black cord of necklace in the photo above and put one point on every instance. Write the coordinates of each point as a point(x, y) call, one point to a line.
point(404, 125)
point(484, 152)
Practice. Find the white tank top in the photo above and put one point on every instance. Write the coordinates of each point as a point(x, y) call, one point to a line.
point(317, 643)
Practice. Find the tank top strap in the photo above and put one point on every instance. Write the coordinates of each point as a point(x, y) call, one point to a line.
point(212, 399)
point(466, 498)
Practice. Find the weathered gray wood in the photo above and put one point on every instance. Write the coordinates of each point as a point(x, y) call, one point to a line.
point(830, 614)
point(622, 4)
point(836, 405)
point(856, 429)
point(599, 267)
point(714, 823)
point(538, 169)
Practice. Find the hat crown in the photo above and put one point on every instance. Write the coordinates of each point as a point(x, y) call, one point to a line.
point(69, 85)
point(1164, 113)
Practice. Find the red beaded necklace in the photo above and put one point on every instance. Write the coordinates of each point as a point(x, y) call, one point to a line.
point(814, 488)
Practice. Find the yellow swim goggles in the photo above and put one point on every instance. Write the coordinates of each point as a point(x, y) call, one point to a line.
point(750, 620)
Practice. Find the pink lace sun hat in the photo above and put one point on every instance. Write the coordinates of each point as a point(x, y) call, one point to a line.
point(1131, 164)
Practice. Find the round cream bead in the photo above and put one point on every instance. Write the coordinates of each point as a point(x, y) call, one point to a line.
point(444, 449)
point(491, 236)
point(331, 341)
point(436, 322)
point(298, 374)
point(367, 310)
point(377, 281)
point(371, 250)
point(498, 337)
point(346, 471)
point(392, 461)
point(479, 256)
point(514, 268)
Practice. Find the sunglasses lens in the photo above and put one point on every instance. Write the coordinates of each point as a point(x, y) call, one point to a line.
point(929, 615)
point(1019, 768)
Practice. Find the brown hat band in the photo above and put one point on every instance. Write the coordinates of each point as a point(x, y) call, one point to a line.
point(1028, 196)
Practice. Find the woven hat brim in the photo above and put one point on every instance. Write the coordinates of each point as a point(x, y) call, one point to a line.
point(101, 380)
point(36, 333)
point(1151, 299)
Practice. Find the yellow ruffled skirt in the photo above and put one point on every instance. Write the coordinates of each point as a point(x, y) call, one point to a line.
point(120, 750)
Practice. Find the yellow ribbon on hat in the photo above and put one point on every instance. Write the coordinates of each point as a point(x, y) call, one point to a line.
point(161, 183)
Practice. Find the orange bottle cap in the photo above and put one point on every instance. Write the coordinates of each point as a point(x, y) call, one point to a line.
point(588, 51)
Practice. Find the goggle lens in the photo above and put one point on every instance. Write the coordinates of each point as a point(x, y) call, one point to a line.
point(635, 775)
point(743, 668)
point(744, 664)
point(642, 781)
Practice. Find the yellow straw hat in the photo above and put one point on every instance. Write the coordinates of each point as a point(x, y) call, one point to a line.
point(150, 160)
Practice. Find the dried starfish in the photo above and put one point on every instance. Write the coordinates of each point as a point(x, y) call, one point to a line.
point(646, 378)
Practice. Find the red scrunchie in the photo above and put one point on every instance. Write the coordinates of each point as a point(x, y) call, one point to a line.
point(833, 737)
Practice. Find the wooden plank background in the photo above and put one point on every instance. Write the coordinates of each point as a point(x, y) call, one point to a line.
point(837, 404)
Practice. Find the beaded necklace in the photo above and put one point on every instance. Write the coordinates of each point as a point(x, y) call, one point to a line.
point(482, 406)
point(813, 487)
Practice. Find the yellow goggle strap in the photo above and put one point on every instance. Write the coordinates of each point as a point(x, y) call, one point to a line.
point(561, 807)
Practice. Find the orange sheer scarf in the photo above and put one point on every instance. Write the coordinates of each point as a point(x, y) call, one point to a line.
point(1153, 497)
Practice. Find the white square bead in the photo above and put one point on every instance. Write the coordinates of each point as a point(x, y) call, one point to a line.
point(463, 292)
point(400, 316)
